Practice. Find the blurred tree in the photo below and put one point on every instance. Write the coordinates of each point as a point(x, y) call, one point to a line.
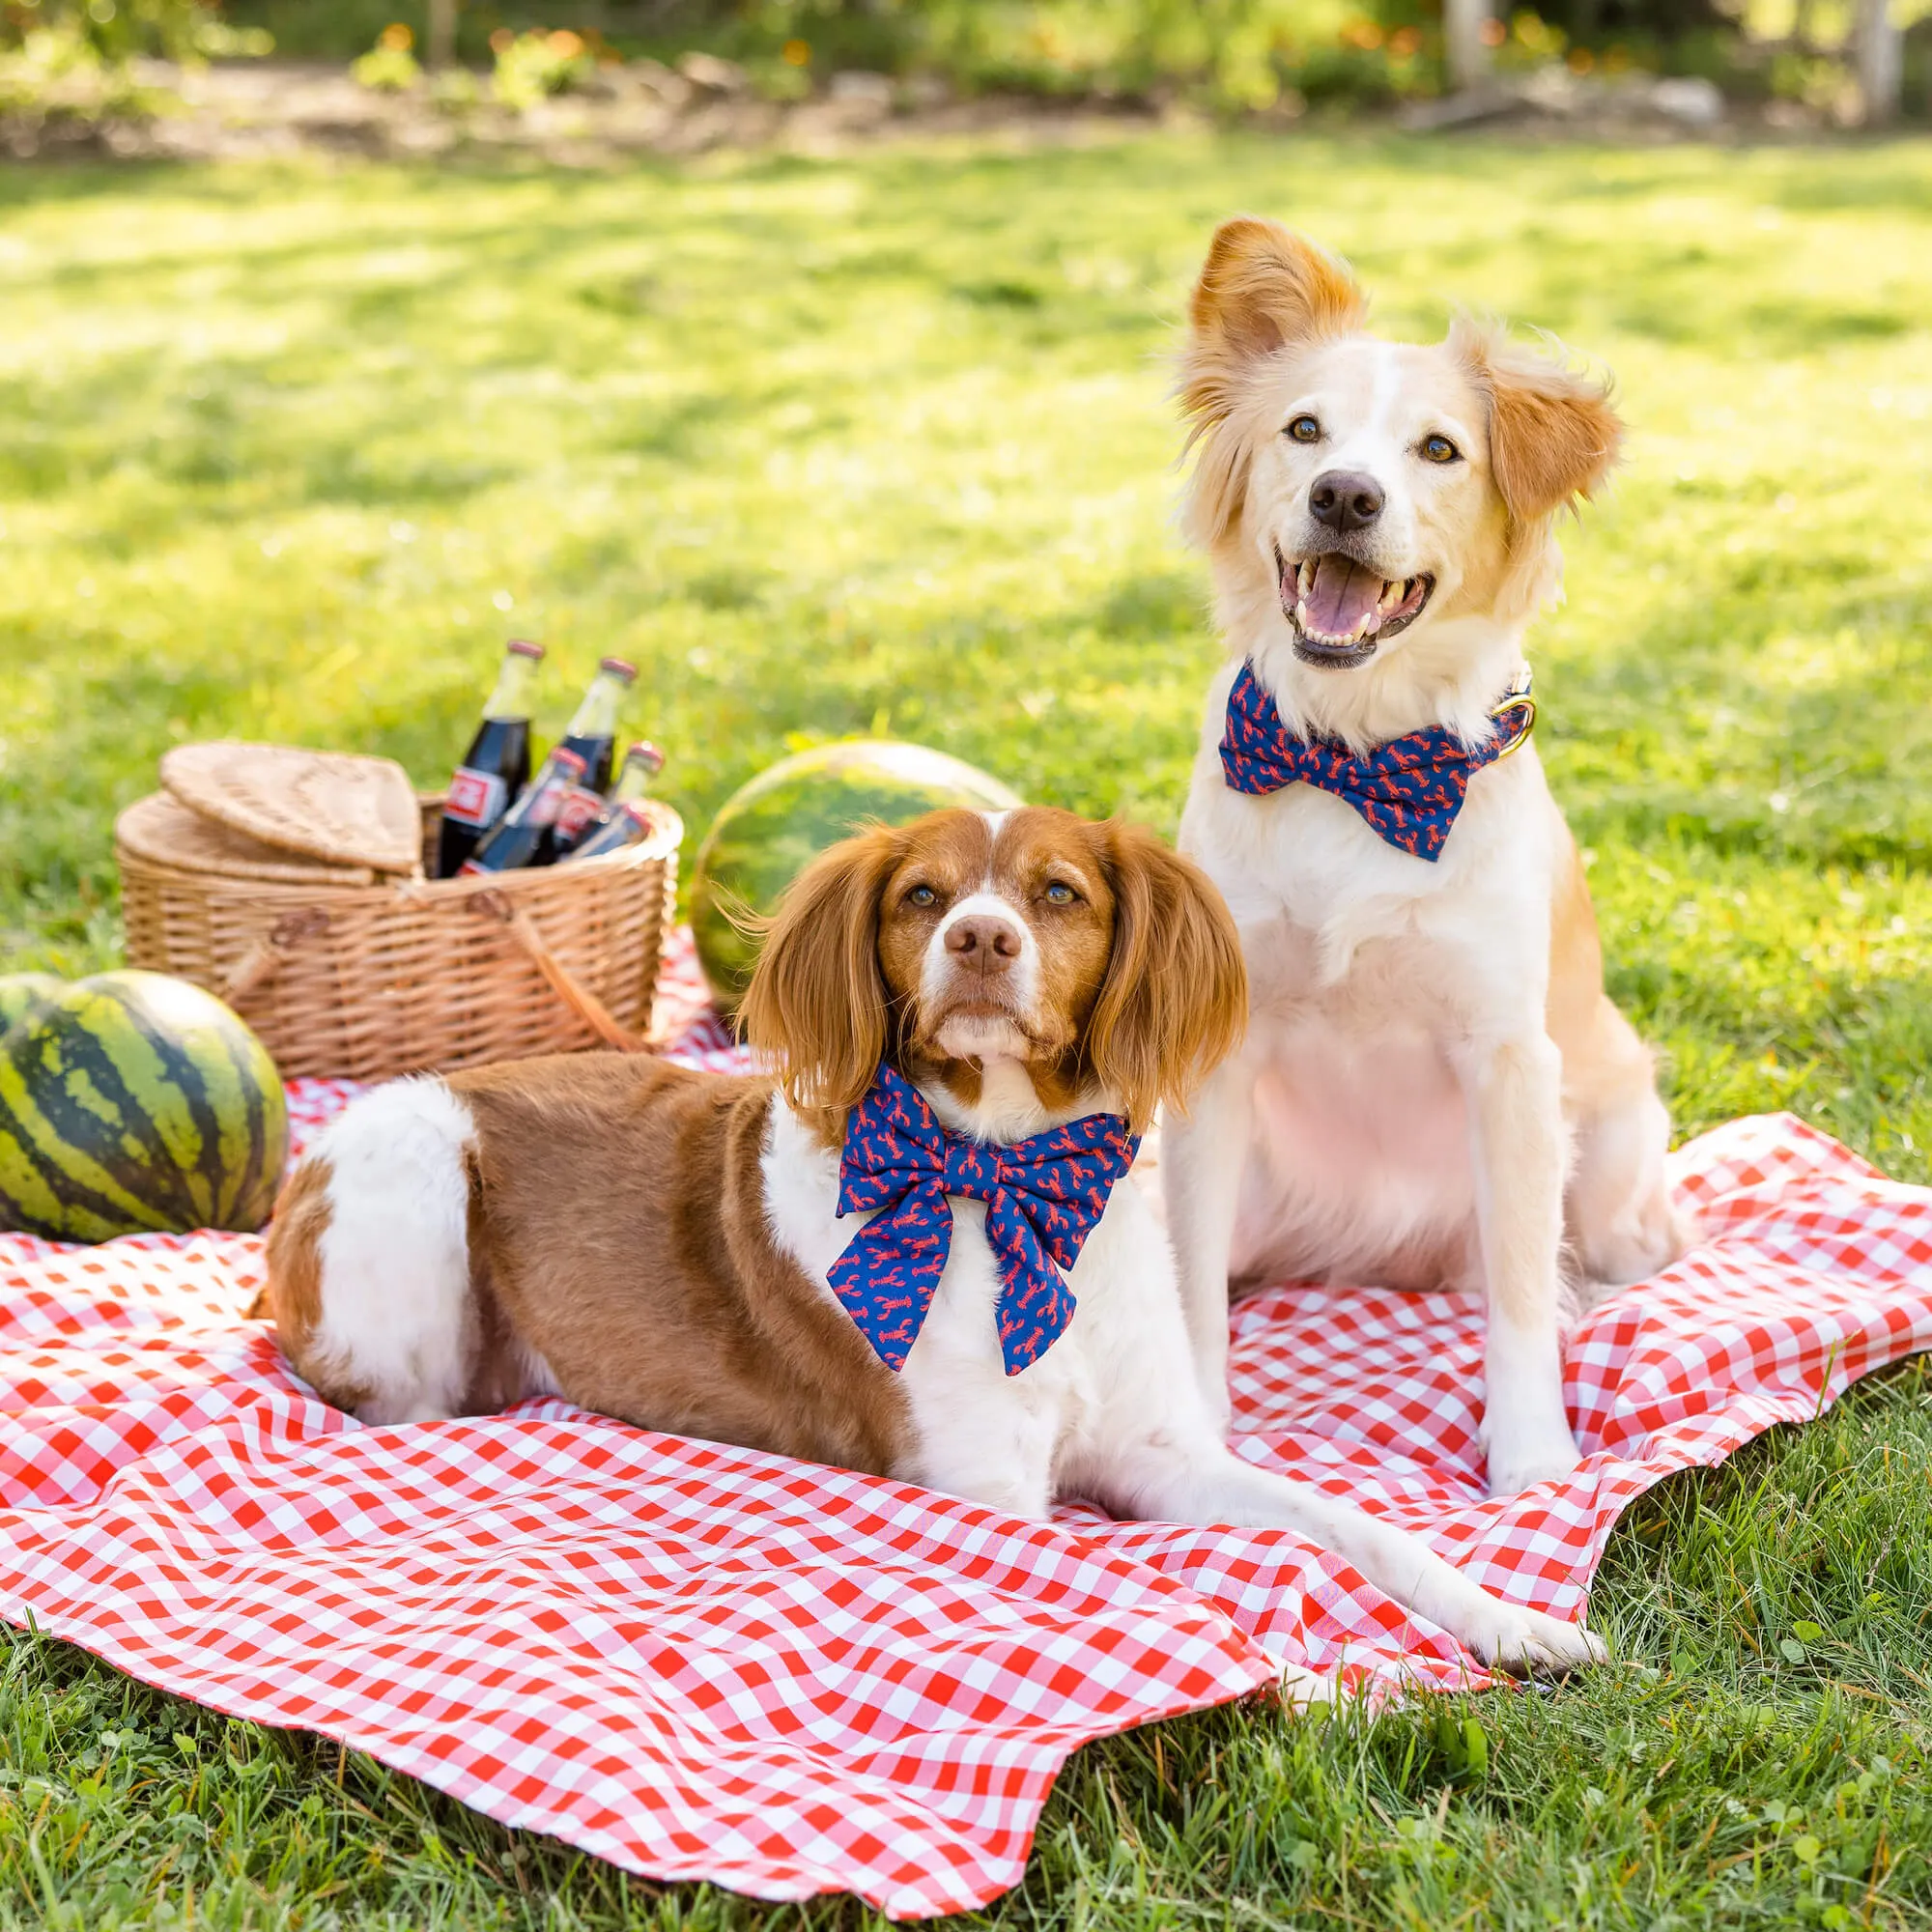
point(1879, 47)
point(1465, 50)
point(440, 43)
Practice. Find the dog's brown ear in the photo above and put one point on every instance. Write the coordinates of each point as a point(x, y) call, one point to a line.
point(816, 1004)
point(1174, 1000)
point(1261, 289)
point(1264, 286)
point(1554, 434)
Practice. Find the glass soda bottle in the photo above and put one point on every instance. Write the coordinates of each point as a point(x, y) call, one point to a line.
point(497, 766)
point(523, 833)
point(623, 821)
point(593, 736)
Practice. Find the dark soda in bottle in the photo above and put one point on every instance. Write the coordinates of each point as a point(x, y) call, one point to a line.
point(523, 832)
point(593, 736)
point(497, 766)
point(643, 763)
point(624, 820)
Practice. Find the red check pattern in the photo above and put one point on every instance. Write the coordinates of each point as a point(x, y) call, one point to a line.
point(701, 1662)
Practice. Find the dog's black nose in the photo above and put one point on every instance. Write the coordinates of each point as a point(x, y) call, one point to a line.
point(984, 941)
point(1345, 499)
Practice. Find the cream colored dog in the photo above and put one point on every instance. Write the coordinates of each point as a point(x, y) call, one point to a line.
point(1434, 1089)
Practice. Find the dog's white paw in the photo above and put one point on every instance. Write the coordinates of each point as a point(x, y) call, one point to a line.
point(1531, 1643)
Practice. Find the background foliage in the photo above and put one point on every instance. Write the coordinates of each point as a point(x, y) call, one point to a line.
point(881, 444)
point(1230, 57)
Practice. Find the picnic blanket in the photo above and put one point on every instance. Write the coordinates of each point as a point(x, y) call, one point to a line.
point(702, 1662)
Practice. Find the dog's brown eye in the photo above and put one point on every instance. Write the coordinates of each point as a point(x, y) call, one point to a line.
point(1439, 449)
point(921, 896)
point(1061, 895)
point(1305, 429)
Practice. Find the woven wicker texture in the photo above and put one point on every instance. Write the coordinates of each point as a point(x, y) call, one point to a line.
point(334, 806)
point(366, 982)
point(165, 832)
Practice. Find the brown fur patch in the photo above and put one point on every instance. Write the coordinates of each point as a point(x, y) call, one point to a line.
point(292, 1298)
point(1141, 982)
point(1604, 1063)
point(816, 1004)
point(1555, 435)
point(1175, 1002)
point(1264, 286)
point(619, 1231)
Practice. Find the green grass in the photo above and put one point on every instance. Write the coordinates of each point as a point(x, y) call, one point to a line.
point(880, 444)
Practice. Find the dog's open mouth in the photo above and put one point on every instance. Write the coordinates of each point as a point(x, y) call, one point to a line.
point(1342, 609)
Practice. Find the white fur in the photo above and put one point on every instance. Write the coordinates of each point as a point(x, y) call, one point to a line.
point(1103, 1412)
point(1110, 1411)
point(1397, 1113)
point(397, 1315)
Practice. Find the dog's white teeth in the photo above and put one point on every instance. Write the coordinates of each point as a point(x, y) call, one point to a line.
point(1301, 612)
point(1392, 596)
point(1304, 578)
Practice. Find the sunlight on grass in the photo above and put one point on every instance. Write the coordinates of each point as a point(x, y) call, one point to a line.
point(881, 444)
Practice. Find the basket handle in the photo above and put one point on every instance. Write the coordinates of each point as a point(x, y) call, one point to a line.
point(263, 959)
point(580, 999)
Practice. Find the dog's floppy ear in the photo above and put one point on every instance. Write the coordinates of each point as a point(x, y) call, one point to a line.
point(1261, 289)
point(1264, 286)
point(1174, 1000)
point(1553, 433)
point(816, 1004)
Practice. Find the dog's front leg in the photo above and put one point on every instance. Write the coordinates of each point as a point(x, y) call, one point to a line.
point(1177, 1476)
point(1514, 1092)
point(1202, 1159)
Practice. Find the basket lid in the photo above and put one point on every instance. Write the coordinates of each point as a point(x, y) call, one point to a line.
point(165, 832)
point(338, 807)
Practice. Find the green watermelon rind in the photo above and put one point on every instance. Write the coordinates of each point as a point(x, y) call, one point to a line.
point(769, 829)
point(132, 1102)
point(21, 992)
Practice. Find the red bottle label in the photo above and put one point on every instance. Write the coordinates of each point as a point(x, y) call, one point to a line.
point(579, 809)
point(476, 799)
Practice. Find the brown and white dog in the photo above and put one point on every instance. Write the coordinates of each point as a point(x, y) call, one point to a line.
point(656, 1243)
point(1434, 1088)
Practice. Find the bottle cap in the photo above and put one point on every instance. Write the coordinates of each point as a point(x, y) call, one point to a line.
point(644, 752)
point(523, 647)
point(618, 668)
point(568, 764)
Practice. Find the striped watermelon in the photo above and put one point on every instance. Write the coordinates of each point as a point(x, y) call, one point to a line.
point(131, 1102)
point(768, 829)
point(20, 990)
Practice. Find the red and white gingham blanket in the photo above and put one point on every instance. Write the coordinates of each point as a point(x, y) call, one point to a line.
point(701, 1662)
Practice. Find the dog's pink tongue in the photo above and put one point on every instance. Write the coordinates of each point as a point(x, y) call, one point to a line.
point(1342, 595)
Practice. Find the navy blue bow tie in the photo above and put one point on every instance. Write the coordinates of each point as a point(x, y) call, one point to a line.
point(1042, 1195)
point(1407, 791)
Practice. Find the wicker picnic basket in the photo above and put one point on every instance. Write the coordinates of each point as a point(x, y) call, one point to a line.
point(348, 969)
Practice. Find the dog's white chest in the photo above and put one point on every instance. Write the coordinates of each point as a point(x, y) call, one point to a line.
point(981, 1432)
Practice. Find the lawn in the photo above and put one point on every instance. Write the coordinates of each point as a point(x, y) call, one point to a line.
point(881, 444)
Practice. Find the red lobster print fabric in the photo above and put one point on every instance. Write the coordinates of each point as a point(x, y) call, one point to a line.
point(702, 1662)
point(1042, 1195)
point(1407, 791)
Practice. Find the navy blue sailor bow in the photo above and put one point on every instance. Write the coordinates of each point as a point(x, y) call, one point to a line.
point(1407, 791)
point(1043, 1196)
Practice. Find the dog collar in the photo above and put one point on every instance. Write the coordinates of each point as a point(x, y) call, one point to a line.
point(1043, 1196)
point(1406, 791)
